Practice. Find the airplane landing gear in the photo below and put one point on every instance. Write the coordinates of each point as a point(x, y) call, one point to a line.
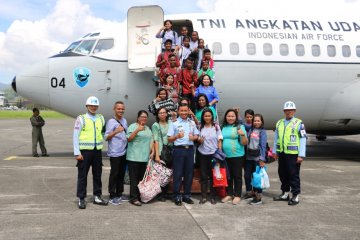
point(321, 137)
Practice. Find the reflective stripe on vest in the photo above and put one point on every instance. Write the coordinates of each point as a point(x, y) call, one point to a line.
point(91, 134)
point(288, 136)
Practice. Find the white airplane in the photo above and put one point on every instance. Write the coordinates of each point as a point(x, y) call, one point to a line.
point(260, 63)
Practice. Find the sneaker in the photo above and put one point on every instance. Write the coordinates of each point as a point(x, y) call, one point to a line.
point(45, 155)
point(236, 200)
point(282, 197)
point(115, 201)
point(256, 201)
point(36, 155)
point(82, 204)
point(226, 199)
point(124, 198)
point(294, 200)
point(99, 201)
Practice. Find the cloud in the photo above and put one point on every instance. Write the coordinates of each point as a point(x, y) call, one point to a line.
point(26, 42)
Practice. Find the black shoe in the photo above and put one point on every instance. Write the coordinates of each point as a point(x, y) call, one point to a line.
point(36, 155)
point(178, 202)
point(212, 201)
point(45, 155)
point(82, 204)
point(294, 201)
point(99, 201)
point(282, 197)
point(188, 200)
point(136, 203)
point(202, 200)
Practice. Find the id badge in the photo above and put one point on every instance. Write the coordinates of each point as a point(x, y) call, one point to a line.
point(293, 138)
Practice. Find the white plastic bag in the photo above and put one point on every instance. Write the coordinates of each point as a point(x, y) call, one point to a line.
point(265, 182)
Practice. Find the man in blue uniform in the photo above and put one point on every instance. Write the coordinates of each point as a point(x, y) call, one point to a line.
point(289, 148)
point(88, 143)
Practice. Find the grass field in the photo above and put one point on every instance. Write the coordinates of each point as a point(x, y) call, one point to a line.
point(9, 114)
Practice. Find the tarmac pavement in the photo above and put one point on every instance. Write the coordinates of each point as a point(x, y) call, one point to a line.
point(37, 197)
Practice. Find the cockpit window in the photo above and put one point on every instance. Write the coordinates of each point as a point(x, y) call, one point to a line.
point(86, 35)
point(95, 34)
point(103, 44)
point(85, 46)
point(72, 46)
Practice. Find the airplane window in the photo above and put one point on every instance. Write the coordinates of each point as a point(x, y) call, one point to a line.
point(234, 48)
point(300, 50)
point(267, 49)
point(315, 50)
point(85, 46)
point(284, 49)
point(358, 50)
point(251, 48)
point(72, 46)
point(103, 44)
point(331, 50)
point(217, 49)
point(346, 52)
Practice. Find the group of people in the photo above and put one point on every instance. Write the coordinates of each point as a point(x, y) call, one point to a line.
point(136, 144)
point(187, 122)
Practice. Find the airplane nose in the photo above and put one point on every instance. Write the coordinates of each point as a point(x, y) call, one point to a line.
point(33, 83)
point(13, 84)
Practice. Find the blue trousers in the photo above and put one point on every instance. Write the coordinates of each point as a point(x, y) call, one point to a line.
point(183, 167)
point(289, 173)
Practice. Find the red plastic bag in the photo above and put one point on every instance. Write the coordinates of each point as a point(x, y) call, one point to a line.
point(220, 181)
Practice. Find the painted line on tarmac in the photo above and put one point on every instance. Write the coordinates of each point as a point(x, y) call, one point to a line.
point(18, 158)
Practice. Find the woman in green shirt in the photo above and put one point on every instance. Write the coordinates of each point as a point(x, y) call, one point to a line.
point(234, 140)
point(159, 131)
point(139, 136)
point(202, 103)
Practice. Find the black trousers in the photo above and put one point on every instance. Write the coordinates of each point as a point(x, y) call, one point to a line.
point(235, 179)
point(136, 174)
point(250, 168)
point(206, 174)
point(92, 158)
point(289, 173)
point(117, 174)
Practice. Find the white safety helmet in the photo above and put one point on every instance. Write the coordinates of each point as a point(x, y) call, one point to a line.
point(289, 105)
point(94, 101)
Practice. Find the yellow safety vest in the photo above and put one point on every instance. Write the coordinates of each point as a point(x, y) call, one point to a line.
point(288, 136)
point(91, 134)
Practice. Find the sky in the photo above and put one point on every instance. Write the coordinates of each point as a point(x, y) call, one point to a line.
point(32, 30)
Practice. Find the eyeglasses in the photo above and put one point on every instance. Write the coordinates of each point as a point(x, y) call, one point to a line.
point(162, 112)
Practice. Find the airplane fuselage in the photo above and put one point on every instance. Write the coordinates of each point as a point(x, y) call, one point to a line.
point(260, 63)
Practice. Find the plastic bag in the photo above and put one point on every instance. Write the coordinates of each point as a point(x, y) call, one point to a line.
point(260, 178)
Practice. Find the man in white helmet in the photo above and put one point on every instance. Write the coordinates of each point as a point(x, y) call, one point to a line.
point(88, 143)
point(289, 148)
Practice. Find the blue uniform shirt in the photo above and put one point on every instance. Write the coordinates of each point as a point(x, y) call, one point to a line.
point(180, 125)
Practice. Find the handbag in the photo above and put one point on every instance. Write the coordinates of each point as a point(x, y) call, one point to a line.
point(149, 186)
point(253, 152)
point(166, 154)
point(220, 181)
point(163, 172)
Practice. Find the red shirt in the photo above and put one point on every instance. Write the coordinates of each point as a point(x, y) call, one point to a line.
point(188, 77)
point(176, 72)
point(165, 56)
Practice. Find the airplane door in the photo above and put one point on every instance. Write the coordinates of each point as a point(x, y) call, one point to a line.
point(143, 23)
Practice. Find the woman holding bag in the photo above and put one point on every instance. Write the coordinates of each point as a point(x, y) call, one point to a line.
point(209, 140)
point(140, 147)
point(256, 151)
point(159, 131)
